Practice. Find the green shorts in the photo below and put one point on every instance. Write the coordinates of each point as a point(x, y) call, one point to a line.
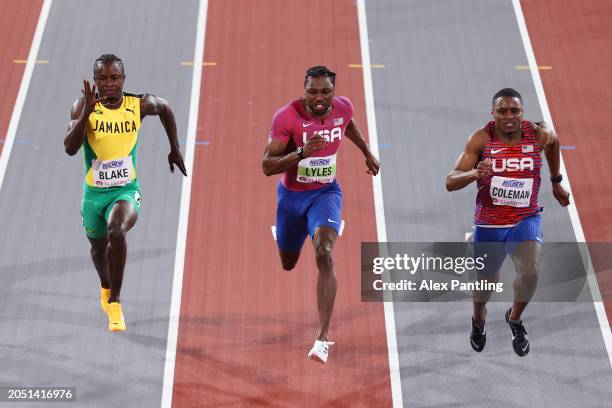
point(98, 203)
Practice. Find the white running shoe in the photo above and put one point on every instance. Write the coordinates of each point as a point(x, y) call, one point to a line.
point(320, 351)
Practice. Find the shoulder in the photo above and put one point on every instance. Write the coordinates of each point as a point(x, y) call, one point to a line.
point(544, 133)
point(286, 113)
point(478, 140)
point(77, 107)
point(344, 103)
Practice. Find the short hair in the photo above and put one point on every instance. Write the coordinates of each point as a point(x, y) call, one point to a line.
point(507, 92)
point(107, 59)
point(319, 71)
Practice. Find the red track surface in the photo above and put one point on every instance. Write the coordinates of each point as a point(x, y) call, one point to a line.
point(574, 38)
point(17, 24)
point(246, 325)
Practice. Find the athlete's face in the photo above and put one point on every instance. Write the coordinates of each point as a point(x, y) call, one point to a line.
point(109, 80)
point(507, 114)
point(318, 94)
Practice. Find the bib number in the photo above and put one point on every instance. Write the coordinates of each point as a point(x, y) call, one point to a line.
point(317, 170)
point(112, 173)
point(510, 191)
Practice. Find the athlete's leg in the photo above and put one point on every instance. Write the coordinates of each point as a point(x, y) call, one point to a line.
point(488, 245)
point(291, 227)
point(98, 255)
point(323, 243)
point(526, 257)
point(122, 218)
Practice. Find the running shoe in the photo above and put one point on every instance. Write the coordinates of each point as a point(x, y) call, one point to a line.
point(478, 336)
point(115, 317)
point(520, 342)
point(104, 295)
point(320, 350)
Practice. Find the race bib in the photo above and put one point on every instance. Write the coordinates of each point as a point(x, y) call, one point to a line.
point(317, 169)
point(112, 173)
point(510, 191)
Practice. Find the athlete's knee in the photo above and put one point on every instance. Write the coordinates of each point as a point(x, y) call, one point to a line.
point(323, 253)
point(116, 234)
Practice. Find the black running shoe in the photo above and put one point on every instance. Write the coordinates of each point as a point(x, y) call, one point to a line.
point(520, 342)
point(478, 337)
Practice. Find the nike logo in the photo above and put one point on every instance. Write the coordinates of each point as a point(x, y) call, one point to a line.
point(525, 348)
point(493, 151)
point(306, 124)
point(130, 110)
point(330, 220)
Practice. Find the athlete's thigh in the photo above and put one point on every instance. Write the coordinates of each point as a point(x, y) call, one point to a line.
point(92, 214)
point(291, 227)
point(490, 246)
point(326, 211)
point(526, 256)
point(123, 210)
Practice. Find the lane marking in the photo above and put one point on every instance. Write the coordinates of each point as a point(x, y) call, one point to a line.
point(204, 64)
point(379, 208)
point(23, 89)
point(604, 324)
point(21, 61)
point(567, 147)
point(527, 68)
point(181, 236)
point(361, 65)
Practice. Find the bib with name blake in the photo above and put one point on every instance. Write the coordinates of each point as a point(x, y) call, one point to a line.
point(112, 173)
point(111, 144)
point(317, 169)
point(511, 191)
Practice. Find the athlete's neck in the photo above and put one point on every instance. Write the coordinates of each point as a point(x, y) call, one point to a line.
point(113, 103)
point(509, 138)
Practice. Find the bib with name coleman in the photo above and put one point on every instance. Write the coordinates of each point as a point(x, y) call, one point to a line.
point(111, 144)
point(112, 173)
point(510, 191)
point(317, 170)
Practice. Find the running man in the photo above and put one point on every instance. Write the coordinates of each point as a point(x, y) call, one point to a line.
point(504, 158)
point(106, 124)
point(305, 136)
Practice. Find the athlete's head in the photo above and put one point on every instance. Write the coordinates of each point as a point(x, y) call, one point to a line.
point(319, 88)
point(109, 76)
point(507, 111)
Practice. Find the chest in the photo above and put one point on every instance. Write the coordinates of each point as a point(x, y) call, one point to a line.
point(331, 130)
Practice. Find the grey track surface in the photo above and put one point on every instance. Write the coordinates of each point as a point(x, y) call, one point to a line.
point(53, 330)
point(444, 60)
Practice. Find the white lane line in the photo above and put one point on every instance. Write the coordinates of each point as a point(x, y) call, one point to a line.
point(604, 324)
point(23, 89)
point(379, 208)
point(181, 237)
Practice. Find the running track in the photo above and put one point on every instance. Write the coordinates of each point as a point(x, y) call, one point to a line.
point(245, 324)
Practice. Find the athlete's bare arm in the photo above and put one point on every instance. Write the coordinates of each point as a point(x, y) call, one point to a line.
point(468, 167)
point(355, 136)
point(151, 105)
point(79, 114)
point(549, 143)
point(276, 160)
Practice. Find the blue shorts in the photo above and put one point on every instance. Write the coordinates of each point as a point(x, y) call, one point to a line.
point(300, 213)
point(496, 243)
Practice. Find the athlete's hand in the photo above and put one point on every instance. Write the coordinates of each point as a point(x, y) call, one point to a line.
point(483, 169)
point(314, 144)
point(175, 157)
point(373, 165)
point(560, 194)
point(89, 98)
